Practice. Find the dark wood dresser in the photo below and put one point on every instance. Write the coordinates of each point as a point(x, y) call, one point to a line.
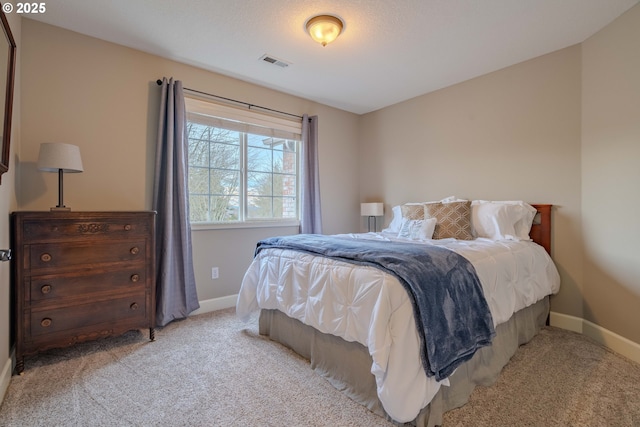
point(79, 276)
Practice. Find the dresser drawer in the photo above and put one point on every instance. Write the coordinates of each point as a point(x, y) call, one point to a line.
point(52, 287)
point(122, 228)
point(77, 254)
point(129, 308)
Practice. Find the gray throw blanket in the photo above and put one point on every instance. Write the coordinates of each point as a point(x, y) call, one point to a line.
point(451, 313)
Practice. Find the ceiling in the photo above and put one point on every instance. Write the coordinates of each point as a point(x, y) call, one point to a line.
point(389, 51)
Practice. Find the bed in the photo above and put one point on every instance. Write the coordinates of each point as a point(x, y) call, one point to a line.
point(357, 323)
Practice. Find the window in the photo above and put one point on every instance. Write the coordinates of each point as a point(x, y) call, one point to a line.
point(243, 165)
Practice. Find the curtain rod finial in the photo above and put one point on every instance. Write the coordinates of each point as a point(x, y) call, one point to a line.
point(159, 82)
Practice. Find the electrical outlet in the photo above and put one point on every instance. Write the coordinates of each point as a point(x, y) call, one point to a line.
point(215, 273)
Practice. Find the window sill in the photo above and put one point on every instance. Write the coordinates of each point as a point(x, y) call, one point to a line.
point(252, 224)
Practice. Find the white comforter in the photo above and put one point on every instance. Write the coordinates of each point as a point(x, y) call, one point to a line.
point(366, 305)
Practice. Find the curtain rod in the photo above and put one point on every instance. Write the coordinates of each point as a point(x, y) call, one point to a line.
point(159, 82)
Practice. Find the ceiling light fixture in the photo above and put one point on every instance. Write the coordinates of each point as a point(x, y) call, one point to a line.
point(324, 28)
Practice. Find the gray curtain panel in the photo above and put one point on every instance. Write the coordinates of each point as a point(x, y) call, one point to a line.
point(311, 219)
point(176, 295)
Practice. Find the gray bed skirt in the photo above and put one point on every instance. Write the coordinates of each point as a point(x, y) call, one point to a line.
point(347, 365)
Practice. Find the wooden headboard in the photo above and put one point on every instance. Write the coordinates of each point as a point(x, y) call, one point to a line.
point(541, 228)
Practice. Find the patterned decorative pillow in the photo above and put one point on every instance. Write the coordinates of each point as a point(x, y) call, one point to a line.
point(453, 219)
point(412, 211)
point(417, 229)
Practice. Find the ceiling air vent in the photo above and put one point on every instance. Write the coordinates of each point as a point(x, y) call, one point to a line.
point(275, 61)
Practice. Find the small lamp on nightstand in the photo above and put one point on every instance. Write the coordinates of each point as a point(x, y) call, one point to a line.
point(61, 158)
point(372, 210)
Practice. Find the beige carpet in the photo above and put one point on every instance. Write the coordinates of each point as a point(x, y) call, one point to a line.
point(560, 378)
point(214, 370)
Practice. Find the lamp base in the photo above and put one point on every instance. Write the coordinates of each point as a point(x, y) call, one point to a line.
point(60, 209)
point(375, 225)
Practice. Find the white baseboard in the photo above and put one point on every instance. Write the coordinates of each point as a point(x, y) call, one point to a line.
point(5, 377)
point(565, 321)
point(615, 342)
point(214, 304)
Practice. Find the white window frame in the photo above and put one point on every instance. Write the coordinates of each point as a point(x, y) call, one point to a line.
point(245, 120)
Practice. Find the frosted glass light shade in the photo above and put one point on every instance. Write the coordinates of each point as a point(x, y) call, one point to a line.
point(371, 209)
point(324, 28)
point(54, 156)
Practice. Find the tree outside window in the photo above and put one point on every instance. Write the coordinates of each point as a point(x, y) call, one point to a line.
point(236, 176)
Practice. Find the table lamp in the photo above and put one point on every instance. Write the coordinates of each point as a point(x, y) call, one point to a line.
point(61, 158)
point(372, 210)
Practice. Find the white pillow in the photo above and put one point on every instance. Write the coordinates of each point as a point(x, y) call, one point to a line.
point(417, 229)
point(396, 220)
point(502, 220)
point(452, 199)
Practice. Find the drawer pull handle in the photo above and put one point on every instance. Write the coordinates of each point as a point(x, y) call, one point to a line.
point(45, 257)
point(134, 250)
point(134, 306)
point(135, 277)
point(127, 227)
point(46, 322)
point(45, 289)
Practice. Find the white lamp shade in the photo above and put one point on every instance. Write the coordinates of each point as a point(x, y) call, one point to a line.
point(371, 209)
point(56, 155)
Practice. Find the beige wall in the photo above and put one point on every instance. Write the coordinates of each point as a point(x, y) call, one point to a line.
point(611, 175)
point(103, 98)
point(8, 204)
point(511, 134)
